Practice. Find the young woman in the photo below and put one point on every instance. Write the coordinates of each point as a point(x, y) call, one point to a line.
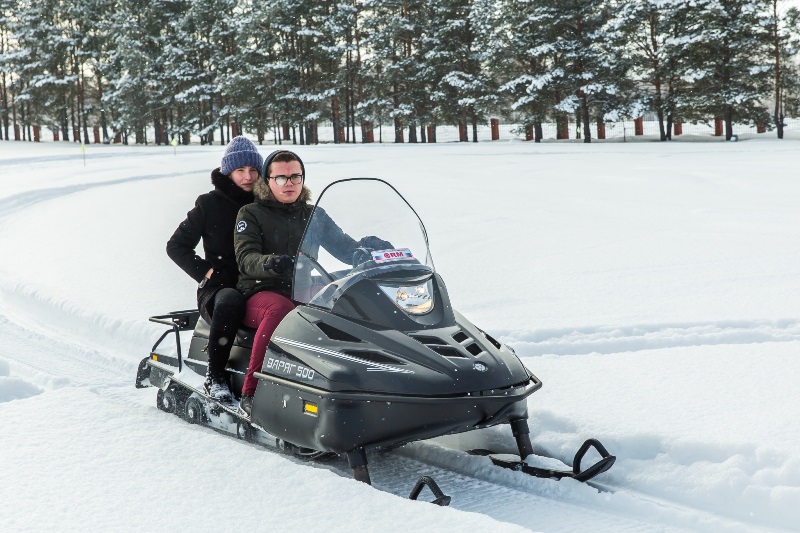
point(212, 220)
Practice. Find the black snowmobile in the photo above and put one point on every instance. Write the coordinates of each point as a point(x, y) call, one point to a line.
point(373, 357)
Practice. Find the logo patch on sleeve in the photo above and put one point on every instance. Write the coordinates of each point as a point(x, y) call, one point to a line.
point(241, 226)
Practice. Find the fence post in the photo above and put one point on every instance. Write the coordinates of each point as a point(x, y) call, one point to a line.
point(431, 133)
point(285, 131)
point(55, 136)
point(495, 129)
point(601, 129)
point(529, 132)
point(638, 126)
point(186, 138)
point(717, 126)
point(761, 127)
point(234, 129)
point(96, 132)
point(563, 127)
point(366, 132)
point(677, 128)
point(16, 132)
point(118, 137)
point(36, 133)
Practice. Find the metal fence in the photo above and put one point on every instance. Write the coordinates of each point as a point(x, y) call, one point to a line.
point(632, 130)
point(616, 131)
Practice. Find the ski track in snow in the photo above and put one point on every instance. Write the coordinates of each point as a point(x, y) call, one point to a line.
point(632, 338)
point(35, 359)
point(23, 200)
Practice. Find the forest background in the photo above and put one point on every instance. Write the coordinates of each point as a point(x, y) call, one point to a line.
point(168, 71)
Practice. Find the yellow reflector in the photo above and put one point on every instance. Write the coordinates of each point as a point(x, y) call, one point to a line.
point(155, 357)
point(310, 408)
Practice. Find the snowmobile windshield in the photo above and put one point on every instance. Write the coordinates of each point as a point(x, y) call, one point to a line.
point(361, 228)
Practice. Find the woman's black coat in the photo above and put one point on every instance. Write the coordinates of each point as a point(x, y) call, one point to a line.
point(212, 220)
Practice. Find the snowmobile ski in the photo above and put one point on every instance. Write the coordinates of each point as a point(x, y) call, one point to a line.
point(577, 473)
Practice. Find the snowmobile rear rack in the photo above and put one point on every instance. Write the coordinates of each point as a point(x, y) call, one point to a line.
point(578, 474)
point(177, 321)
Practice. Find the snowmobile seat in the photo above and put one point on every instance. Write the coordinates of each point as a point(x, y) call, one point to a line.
point(244, 337)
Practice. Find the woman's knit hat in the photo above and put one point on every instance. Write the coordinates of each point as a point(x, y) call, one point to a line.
point(241, 152)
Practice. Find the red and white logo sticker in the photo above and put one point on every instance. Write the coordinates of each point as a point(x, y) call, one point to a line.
point(384, 256)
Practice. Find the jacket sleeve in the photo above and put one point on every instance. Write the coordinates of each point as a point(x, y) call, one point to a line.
point(181, 246)
point(248, 244)
point(338, 243)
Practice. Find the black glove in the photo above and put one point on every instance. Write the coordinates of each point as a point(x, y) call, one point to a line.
point(374, 243)
point(280, 264)
point(361, 255)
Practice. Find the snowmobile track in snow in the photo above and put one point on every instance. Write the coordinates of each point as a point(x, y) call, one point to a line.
point(618, 339)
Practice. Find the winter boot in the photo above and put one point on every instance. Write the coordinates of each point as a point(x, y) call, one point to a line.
point(217, 389)
point(246, 404)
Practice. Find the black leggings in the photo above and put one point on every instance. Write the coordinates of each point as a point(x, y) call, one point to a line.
point(227, 312)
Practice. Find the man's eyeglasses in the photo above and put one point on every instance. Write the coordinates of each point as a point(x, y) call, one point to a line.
point(281, 180)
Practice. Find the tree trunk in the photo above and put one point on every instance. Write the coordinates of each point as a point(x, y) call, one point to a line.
point(778, 113)
point(398, 126)
point(412, 132)
point(587, 133)
point(728, 117)
point(537, 131)
point(335, 119)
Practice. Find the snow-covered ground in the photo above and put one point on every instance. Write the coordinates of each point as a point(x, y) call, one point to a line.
point(654, 288)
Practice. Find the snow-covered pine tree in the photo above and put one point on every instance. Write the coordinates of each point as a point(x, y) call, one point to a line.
point(43, 87)
point(203, 55)
point(393, 34)
point(517, 51)
point(652, 30)
point(785, 35)
point(303, 67)
point(139, 85)
point(463, 93)
point(585, 71)
point(728, 61)
point(7, 61)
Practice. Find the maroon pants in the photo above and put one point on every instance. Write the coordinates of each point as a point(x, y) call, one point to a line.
point(264, 311)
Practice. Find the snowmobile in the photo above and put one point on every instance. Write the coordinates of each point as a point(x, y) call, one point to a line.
point(373, 357)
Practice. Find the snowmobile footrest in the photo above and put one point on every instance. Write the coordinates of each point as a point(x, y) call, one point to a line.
point(578, 474)
point(441, 498)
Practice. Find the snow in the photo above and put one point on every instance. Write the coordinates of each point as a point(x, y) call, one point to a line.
point(652, 287)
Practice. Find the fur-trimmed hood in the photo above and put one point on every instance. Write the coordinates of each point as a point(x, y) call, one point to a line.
point(263, 194)
point(225, 185)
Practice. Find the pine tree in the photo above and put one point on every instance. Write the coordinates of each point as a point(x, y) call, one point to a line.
point(785, 34)
point(516, 48)
point(463, 93)
point(394, 34)
point(728, 61)
point(652, 29)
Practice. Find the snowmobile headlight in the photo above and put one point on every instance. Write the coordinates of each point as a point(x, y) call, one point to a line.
point(414, 300)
